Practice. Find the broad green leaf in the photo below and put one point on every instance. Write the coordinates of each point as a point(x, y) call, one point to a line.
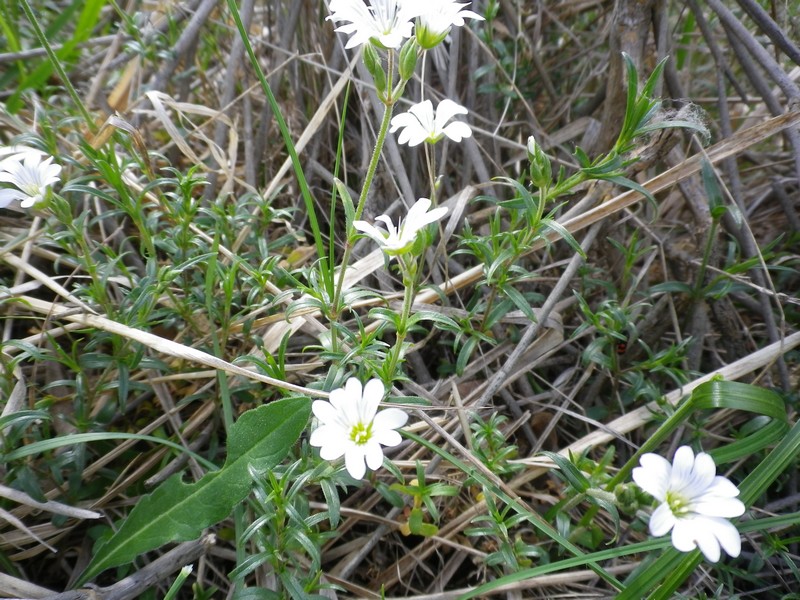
point(177, 511)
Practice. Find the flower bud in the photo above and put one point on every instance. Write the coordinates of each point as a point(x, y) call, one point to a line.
point(372, 61)
point(540, 169)
point(408, 59)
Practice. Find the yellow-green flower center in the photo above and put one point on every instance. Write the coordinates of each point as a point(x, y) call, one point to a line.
point(360, 433)
point(677, 503)
point(32, 189)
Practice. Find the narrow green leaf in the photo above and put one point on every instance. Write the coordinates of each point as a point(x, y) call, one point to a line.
point(308, 199)
point(177, 511)
point(519, 300)
point(631, 184)
point(571, 473)
point(564, 234)
point(781, 458)
point(347, 201)
point(443, 321)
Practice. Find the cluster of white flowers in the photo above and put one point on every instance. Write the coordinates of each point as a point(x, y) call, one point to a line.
point(386, 23)
point(351, 426)
point(28, 172)
point(695, 502)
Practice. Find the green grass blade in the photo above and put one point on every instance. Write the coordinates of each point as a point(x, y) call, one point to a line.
point(287, 138)
point(84, 28)
point(85, 438)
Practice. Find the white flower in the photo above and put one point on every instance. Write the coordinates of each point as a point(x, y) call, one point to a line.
point(399, 239)
point(420, 125)
point(31, 175)
point(351, 426)
point(438, 17)
point(695, 503)
point(387, 22)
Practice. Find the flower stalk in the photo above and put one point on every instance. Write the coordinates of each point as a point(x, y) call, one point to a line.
point(362, 200)
point(408, 268)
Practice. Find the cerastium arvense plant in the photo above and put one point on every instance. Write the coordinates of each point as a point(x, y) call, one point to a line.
point(155, 276)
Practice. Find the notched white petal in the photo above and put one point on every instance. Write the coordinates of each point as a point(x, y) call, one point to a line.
point(714, 506)
point(723, 487)
point(390, 418)
point(707, 542)
point(457, 131)
point(729, 537)
point(354, 463)
point(683, 536)
point(662, 520)
point(373, 455)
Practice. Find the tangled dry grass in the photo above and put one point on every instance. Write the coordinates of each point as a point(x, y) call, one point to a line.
point(617, 335)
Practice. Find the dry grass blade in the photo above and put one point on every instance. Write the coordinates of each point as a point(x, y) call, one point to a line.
point(631, 421)
point(160, 344)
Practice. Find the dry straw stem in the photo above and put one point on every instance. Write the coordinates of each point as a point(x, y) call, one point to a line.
point(54, 507)
point(731, 146)
point(159, 344)
point(19, 588)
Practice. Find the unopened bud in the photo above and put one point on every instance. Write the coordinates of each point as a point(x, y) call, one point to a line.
point(372, 60)
point(540, 170)
point(408, 59)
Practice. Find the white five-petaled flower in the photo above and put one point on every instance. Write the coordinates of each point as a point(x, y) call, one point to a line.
point(438, 17)
point(387, 22)
point(399, 239)
point(30, 175)
point(420, 125)
point(695, 503)
point(351, 426)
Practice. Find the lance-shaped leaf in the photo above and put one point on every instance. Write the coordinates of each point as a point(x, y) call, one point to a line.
point(177, 511)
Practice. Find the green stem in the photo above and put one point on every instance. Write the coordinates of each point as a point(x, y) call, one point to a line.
point(285, 134)
point(62, 74)
point(697, 293)
point(362, 200)
point(430, 161)
point(396, 353)
point(682, 412)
